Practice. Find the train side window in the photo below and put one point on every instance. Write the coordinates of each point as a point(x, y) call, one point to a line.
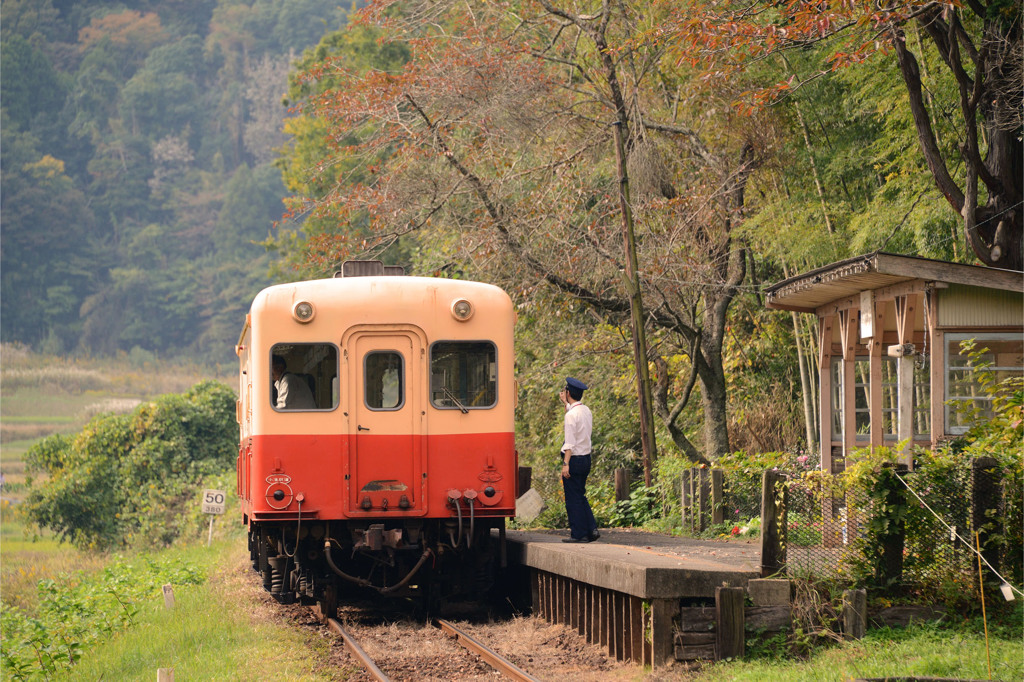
point(463, 375)
point(383, 379)
point(304, 376)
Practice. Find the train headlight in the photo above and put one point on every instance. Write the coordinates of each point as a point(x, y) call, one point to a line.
point(303, 311)
point(462, 310)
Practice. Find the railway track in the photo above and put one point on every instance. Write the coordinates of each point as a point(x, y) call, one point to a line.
point(488, 655)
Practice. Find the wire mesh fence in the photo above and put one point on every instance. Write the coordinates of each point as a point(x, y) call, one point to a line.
point(919, 534)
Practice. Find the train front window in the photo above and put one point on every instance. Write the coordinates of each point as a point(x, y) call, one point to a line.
point(463, 375)
point(383, 379)
point(304, 376)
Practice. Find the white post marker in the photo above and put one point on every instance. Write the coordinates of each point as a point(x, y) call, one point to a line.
point(213, 504)
point(168, 596)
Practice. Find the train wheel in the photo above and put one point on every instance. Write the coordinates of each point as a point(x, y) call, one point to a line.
point(328, 602)
point(254, 550)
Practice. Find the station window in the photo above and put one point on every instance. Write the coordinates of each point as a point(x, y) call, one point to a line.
point(890, 401)
point(1001, 356)
point(463, 375)
point(384, 380)
point(304, 376)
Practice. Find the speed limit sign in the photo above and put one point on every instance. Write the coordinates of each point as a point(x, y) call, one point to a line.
point(213, 501)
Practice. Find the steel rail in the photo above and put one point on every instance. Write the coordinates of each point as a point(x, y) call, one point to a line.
point(495, 660)
point(358, 652)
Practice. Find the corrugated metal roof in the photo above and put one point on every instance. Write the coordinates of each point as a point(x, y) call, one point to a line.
point(809, 291)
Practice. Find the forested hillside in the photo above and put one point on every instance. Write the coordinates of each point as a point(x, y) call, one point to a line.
point(138, 148)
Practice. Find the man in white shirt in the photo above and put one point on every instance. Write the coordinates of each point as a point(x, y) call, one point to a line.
point(292, 390)
point(579, 423)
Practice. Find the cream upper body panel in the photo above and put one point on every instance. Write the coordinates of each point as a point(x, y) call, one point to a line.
point(418, 309)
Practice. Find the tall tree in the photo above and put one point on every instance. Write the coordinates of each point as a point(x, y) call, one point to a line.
point(47, 255)
point(976, 48)
point(497, 133)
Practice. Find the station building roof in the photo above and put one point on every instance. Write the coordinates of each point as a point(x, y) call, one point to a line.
point(808, 291)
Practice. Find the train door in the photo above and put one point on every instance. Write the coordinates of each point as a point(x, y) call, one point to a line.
point(386, 453)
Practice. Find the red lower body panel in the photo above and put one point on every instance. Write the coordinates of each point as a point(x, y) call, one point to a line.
point(374, 476)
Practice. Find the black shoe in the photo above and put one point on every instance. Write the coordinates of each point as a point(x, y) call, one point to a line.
point(571, 539)
point(593, 536)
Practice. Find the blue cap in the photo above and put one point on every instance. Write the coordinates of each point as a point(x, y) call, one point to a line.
point(575, 383)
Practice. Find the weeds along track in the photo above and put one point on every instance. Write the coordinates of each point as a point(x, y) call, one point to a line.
point(445, 664)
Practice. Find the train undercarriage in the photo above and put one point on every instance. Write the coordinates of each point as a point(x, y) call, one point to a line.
point(429, 561)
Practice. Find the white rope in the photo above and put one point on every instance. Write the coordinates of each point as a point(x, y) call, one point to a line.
point(952, 530)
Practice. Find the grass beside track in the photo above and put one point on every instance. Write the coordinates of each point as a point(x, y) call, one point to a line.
point(219, 630)
point(952, 652)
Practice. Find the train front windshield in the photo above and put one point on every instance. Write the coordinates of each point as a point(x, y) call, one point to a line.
point(463, 375)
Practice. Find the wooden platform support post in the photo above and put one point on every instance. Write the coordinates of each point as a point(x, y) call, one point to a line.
point(774, 498)
point(729, 638)
point(717, 496)
point(704, 494)
point(855, 613)
point(986, 492)
point(662, 613)
point(623, 479)
point(890, 570)
point(688, 499)
point(904, 354)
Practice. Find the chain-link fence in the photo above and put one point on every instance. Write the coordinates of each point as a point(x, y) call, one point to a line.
point(821, 528)
point(916, 529)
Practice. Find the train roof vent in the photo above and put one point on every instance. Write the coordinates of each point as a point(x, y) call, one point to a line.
point(369, 268)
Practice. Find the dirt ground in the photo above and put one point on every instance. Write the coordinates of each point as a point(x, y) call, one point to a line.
point(406, 649)
point(411, 650)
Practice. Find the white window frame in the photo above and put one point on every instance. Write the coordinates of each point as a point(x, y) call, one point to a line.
point(953, 339)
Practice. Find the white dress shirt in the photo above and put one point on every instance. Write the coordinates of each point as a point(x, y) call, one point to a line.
point(293, 393)
point(579, 423)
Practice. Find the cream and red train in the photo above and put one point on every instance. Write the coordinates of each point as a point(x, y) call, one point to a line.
point(394, 474)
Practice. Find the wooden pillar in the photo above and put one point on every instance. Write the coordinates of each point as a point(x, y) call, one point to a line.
point(986, 492)
point(773, 523)
point(906, 307)
point(825, 325)
point(604, 618)
point(937, 365)
point(663, 611)
point(686, 499)
point(704, 495)
point(890, 570)
point(872, 326)
point(717, 496)
point(729, 642)
point(848, 333)
point(635, 649)
point(536, 600)
point(825, 391)
point(905, 411)
point(622, 483)
point(855, 613)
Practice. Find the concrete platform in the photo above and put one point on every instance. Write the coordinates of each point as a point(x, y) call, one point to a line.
point(625, 590)
point(639, 563)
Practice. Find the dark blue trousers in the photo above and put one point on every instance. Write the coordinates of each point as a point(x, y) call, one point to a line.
point(581, 518)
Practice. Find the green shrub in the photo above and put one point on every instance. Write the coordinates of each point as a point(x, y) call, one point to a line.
point(642, 507)
point(126, 480)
